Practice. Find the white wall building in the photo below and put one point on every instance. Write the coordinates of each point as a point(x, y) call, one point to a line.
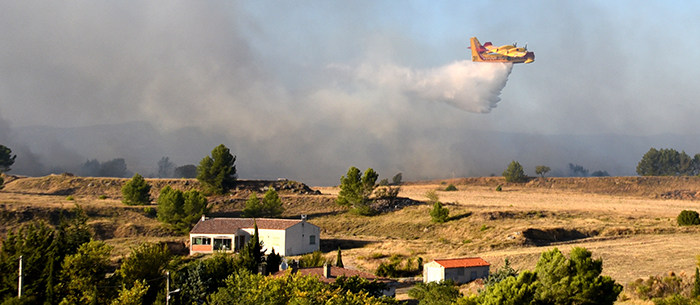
point(460, 270)
point(286, 236)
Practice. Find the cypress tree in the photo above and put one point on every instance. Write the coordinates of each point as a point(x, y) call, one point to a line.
point(339, 259)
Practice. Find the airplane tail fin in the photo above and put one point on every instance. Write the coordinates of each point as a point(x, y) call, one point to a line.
point(476, 46)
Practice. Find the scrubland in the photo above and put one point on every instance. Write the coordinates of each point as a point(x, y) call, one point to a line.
point(629, 222)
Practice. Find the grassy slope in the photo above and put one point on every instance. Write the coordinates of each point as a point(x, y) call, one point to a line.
point(625, 220)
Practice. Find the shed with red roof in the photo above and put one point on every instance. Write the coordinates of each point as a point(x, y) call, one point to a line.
point(460, 270)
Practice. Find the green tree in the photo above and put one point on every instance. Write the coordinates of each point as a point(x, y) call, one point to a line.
point(668, 162)
point(218, 172)
point(6, 159)
point(688, 218)
point(576, 280)
point(512, 290)
point(253, 208)
point(133, 295)
point(435, 293)
point(439, 214)
point(136, 191)
point(32, 242)
point(695, 292)
point(272, 204)
point(542, 170)
point(146, 262)
point(273, 261)
point(180, 210)
point(514, 172)
point(355, 190)
point(250, 257)
point(339, 259)
point(83, 272)
point(501, 274)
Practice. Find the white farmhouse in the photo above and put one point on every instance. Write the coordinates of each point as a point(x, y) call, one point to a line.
point(460, 270)
point(286, 236)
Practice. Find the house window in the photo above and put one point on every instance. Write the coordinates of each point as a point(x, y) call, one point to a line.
point(201, 241)
point(312, 239)
point(222, 244)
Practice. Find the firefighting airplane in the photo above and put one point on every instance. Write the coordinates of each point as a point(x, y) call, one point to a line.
point(507, 53)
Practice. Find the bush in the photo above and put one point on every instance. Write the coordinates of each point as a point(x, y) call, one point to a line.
point(688, 218)
point(70, 197)
point(102, 197)
point(450, 188)
point(499, 188)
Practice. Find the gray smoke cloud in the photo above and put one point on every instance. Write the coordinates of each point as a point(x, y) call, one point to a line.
point(307, 90)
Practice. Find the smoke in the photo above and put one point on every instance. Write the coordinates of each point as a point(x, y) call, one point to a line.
point(469, 86)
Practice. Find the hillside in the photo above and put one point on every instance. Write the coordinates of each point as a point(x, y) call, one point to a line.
point(628, 221)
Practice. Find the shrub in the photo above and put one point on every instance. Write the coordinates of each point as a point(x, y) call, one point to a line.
point(70, 197)
point(499, 188)
point(102, 197)
point(450, 188)
point(149, 211)
point(688, 218)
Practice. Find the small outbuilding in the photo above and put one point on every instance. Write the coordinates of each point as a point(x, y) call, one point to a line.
point(286, 236)
point(460, 270)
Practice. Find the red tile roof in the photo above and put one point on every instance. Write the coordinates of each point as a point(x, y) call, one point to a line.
point(462, 262)
point(231, 225)
point(335, 273)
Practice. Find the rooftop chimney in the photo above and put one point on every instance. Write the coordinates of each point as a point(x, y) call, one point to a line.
point(303, 217)
point(204, 217)
point(327, 271)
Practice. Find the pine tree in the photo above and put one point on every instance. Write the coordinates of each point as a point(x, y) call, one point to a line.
point(136, 191)
point(252, 208)
point(218, 172)
point(272, 204)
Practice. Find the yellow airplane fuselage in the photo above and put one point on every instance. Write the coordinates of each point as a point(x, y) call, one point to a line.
point(507, 53)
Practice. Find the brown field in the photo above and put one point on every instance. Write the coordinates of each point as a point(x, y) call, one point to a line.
point(629, 222)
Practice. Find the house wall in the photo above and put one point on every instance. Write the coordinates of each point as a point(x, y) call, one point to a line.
point(298, 239)
point(433, 272)
point(466, 275)
point(210, 247)
point(271, 239)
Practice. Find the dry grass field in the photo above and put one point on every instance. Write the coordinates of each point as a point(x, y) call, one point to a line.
point(629, 222)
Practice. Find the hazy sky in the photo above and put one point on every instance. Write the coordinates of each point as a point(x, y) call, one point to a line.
point(307, 89)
